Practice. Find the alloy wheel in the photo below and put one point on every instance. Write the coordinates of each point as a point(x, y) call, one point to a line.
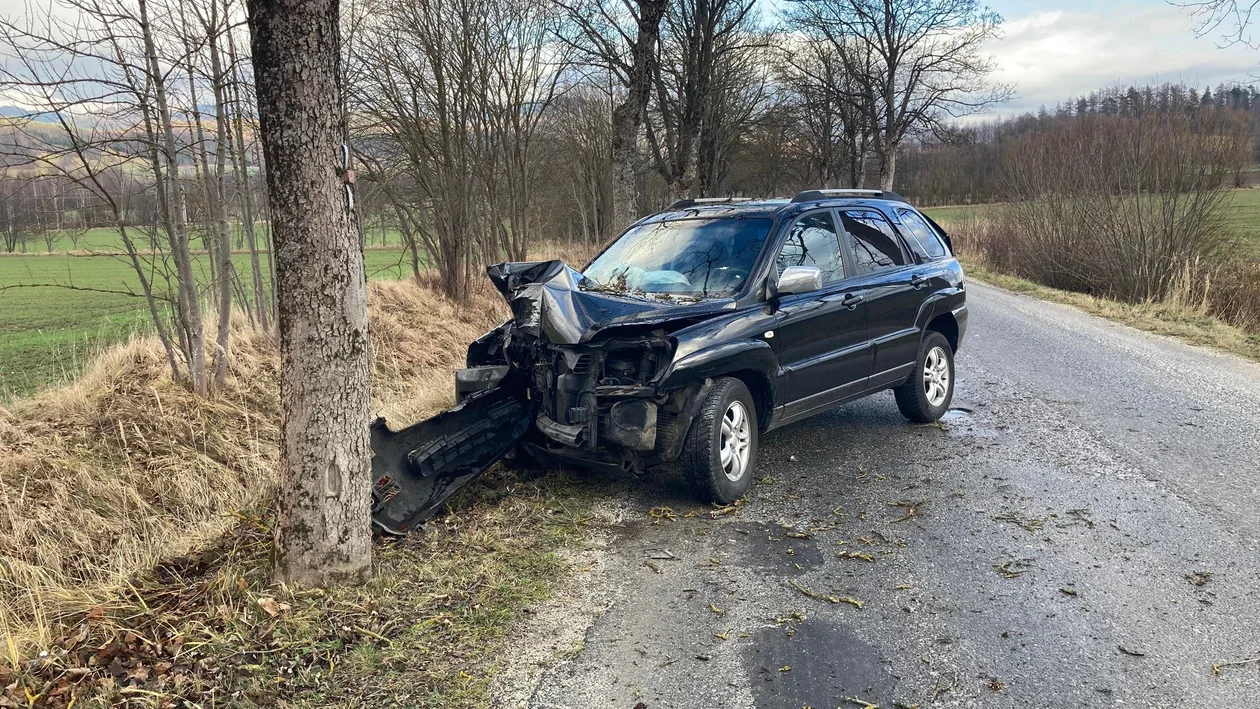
point(936, 376)
point(734, 445)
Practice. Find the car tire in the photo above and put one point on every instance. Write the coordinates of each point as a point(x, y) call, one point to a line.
point(926, 395)
point(717, 460)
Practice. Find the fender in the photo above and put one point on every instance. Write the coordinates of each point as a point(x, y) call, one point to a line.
point(721, 359)
point(938, 303)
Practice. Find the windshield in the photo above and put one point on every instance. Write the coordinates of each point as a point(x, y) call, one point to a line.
point(702, 258)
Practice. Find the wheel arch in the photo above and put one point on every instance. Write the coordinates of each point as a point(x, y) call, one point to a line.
point(947, 325)
point(751, 361)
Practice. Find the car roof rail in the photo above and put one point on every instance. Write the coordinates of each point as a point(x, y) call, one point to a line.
point(692, 202)
point(815, 195)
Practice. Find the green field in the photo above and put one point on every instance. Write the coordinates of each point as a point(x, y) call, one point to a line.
point(108, 240)
point(1242, 216)
point(46, 333)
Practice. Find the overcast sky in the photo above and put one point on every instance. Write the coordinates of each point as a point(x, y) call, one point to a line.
point(1051, 50)
point(1055, 49)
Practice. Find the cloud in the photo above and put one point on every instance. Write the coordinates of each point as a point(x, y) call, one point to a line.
point(1052, 55)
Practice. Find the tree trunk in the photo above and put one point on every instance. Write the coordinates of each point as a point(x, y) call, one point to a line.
point(628, 115)
point(888, 168)
point(222, 228)
point(175, 213)
point(322, 525)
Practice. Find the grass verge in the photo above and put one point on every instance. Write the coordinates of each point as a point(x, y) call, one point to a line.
point(209, 628)
point(1183, 322)
point(131, 573)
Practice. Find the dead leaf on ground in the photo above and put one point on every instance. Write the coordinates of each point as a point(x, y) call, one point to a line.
point(1012, 568)
point(1199, 578)
point(1031, 524)
point(270, 605)
point(1216, 666)
point(833, 599)
point(662, 513)
point(911, 508)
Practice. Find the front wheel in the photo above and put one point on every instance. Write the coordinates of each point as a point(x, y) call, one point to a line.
point(721, 447)
point(925, 396)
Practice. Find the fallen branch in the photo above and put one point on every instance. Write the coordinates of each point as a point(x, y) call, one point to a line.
point(1216, 666)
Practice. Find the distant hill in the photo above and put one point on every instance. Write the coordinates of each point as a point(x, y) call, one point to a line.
point(11, 111)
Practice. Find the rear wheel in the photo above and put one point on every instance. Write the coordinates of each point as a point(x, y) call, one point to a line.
point(721, 447)
point(926, 395)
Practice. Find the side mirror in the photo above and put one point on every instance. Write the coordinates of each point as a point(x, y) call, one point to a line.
point(799, 279)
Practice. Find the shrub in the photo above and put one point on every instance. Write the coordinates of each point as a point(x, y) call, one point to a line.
point(1118, 206)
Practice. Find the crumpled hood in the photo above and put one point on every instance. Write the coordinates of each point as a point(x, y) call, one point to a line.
point(547, 302)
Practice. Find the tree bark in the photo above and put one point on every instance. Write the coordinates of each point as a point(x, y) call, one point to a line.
point(888, 170)
point(322, 526)
point(628, 115)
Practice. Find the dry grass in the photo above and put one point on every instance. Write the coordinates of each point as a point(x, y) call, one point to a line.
point(104, 477)
point(101, 477)
point(1219, 309)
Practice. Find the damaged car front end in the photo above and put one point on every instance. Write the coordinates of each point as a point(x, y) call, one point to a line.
point(575, 376)
point(593, 365)
point(585, 372)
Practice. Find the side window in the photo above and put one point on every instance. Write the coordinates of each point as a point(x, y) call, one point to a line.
point(922, 238)
point(813, 241)
point(874, 243)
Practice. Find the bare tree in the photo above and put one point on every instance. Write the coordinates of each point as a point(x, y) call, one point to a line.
point(622, 39)
point(700, 38)
point(322, 529)
point(1231, 18)
point(101, 80)
point(448, 99)
point(420, 74)
point(918, 63)
point(830, 107)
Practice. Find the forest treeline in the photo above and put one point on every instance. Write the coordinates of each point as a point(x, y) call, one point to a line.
point(975, 164)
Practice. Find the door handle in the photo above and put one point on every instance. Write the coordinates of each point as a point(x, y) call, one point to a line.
point(851, 300)
point(918, 281)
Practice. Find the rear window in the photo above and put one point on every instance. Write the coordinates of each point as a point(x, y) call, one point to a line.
point(922, 238)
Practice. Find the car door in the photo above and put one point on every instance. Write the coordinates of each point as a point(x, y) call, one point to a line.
point(893, 292)
point(820, 337)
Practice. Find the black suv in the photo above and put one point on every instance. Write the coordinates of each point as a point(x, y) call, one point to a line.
point(694, 332)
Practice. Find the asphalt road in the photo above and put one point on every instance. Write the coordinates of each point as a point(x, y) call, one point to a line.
point(1083, 530)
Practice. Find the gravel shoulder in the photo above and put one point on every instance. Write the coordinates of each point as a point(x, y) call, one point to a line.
point(1079, 531)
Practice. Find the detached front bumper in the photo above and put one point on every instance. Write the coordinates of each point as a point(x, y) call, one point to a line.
point(416, 469)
